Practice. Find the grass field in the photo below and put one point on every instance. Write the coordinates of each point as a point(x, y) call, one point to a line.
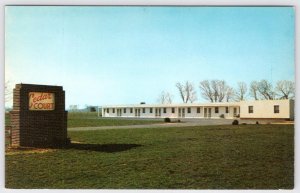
point(206, 157)
point(7, 119)
point(90, 119)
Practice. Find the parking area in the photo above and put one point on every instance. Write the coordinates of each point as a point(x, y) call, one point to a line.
point(183, 122)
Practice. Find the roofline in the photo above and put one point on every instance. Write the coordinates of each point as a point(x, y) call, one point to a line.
point(173, 105)
point(224, 104)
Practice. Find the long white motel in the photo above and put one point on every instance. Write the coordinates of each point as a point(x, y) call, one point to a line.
point(259, 109)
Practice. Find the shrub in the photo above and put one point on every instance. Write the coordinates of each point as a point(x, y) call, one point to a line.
point(178, 121)
point(257, 122)
point(235, 122)
point(222, 116)
point(167, 120)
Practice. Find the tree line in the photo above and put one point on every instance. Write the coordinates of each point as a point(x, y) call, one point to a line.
point(219, 91)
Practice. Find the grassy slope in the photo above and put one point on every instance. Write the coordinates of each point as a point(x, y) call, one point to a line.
point(245, 156)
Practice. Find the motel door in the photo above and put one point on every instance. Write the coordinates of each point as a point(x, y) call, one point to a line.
point(119, 112)
point(207, 112)
point(157, 112)
point(137, 112)
point(234, 111)
point(181, 112)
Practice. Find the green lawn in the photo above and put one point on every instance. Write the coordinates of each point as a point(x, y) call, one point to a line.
point(90, 119)
point(206, 157)
point(7, 119)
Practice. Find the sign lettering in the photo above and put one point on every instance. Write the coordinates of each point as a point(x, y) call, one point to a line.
point(41, 101)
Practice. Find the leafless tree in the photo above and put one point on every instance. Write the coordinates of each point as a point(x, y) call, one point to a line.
point(254, 90)
point(73, 108)
point(230, 93)
point(265, 88)
point(191, 92)
point(8, 92)
point(206, 90)
point(241, 91)
point(165, 98)
point(220, 89)
point(285, 89)
point(182, 92)
point(187, 92)
point(216, 90)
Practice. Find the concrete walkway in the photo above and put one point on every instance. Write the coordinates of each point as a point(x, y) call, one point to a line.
point(185, 123)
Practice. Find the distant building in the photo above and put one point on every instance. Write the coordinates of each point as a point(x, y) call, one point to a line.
point(91, 108)
point(260, 109)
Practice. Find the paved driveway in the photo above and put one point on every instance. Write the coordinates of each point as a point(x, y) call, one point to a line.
point(183, 123)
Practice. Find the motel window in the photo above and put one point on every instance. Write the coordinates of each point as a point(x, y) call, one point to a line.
point(151, 110)
point(144, 110)
point(198, 109)
point(189, 110)
point(131, 110)
point(227, 110)
point(173, 110)
point(250, 109)
point(165, 110)
point(276, 108)
point(124, 110)
point(216, 109)
point(113, 110)
point(107, 110)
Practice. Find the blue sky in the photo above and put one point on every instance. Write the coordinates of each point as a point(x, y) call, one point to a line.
point(125, 55)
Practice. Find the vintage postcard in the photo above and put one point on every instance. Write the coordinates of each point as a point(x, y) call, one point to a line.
point(149, 97)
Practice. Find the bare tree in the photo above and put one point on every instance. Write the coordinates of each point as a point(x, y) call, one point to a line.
point(285, 89)
point(73, 108)
point(241, 91)
point(230, 93)
point(8, 92)
point(169, 98)
point(191, 92)
point(254, 90)
point(216, 90)
point(219, 89)
point(187, 92)
point(165, 98)
point(182, 92)
point(265, 88)
point(206, 90)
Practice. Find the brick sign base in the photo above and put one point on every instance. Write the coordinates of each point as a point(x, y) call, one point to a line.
point(38, 128)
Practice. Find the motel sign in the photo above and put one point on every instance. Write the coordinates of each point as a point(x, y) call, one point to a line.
point(40, 101)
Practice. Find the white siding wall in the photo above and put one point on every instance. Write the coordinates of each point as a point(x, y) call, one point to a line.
point(127, 114)
point(261, 109)
point(265, 109)
point(147, 114)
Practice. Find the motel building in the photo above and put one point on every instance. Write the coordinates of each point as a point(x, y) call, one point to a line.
point(260, 109)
